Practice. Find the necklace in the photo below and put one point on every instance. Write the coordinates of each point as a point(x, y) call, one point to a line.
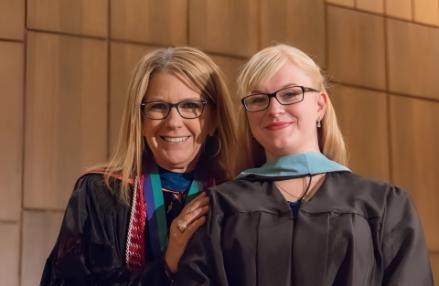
point(303, 193)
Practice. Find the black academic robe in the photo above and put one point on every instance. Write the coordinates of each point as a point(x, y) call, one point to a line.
point(90, 249)
point(353, 231)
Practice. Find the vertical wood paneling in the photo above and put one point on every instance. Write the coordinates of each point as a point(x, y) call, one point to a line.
point(427, 11)
point(154, 22)
point(415, 153)
point(40, 231)
point(289, 22)
point(224, 26)
point(356, 47)
point(10, 252)
point(362, 115)
point(69, 16)
point(413, 59)
point(123, 60)
point(230, 67)
point(66, 115)
point(11, 129)
point(376, 6)
point(399, 8)
point(12, 19)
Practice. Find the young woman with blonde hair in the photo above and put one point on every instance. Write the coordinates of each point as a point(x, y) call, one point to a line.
point(298, 216)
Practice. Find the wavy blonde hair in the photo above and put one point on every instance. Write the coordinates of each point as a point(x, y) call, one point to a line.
point(262, 66)
point(198, 71)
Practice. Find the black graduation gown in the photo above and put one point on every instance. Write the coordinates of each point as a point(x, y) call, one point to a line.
point(353, 231)
point(90, 249)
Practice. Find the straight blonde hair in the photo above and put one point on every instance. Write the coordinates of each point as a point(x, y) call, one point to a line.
point(198, 71)
point(262, 66)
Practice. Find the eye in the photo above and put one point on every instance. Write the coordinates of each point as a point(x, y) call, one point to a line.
point(288, 94)
point(191, 105)
point(156, 106)
point(256, 99)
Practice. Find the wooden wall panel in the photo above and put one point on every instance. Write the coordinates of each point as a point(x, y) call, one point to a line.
point(415, 153)
point(66, 115)
point(231, 68)
point(356, 47)
point(376, 6)
point(11, 129)
point(123, 60)
point(154, 22)
point(399, 8)
point(289, 22)
point(12, 19)
point(347, 3)
point(362, 115)
point(427, 11)
point(224, 26)
point(413, 59)
point(40, 231)
point(69, 16)
point(10, 253)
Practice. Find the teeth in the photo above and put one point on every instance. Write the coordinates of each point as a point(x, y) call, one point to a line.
point(175, 139)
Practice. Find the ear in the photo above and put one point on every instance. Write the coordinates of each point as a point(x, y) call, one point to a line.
point(322, 103)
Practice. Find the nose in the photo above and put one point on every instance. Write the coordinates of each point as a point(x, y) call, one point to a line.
point(275, 107)
point(174, 119)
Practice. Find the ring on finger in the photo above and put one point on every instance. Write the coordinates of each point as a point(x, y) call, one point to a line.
point(182, 226)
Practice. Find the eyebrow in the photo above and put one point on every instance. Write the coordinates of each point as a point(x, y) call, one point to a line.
point(158, 99)
point(284, 86)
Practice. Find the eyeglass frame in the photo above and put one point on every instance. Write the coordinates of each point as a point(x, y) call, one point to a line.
point(274, 94)
point(204, 102)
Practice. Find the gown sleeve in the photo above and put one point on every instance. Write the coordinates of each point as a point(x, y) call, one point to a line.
point(202, 262)
point(90, 247)
point(406, 260)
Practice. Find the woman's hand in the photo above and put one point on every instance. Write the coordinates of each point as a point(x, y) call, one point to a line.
point(183, 227)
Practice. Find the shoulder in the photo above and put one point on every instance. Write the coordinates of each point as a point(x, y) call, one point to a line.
point(93, 190)
point(351, 185)
point(235, 190)
point(351, 193)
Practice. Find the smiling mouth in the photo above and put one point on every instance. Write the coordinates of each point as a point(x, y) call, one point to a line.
point(277, 125)
point(179, 139)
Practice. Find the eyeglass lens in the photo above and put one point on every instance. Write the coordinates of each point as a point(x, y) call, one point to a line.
point(289, 95)
point(187, 109)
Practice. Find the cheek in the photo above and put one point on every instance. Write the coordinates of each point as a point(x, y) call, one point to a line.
point(149, 130)
point(253, 121)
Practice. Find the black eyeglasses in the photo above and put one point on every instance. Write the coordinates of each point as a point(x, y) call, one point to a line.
point(188, 109)
point(285, 96)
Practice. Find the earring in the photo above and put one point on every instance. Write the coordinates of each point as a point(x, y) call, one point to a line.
point(319, 124)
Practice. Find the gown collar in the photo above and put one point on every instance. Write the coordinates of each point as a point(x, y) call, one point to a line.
point(294, 166)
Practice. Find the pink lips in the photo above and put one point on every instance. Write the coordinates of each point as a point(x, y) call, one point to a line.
point(277, 125)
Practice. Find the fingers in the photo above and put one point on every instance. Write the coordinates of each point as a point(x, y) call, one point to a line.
point(190, 217)
point(197, 202)
point(195, 225)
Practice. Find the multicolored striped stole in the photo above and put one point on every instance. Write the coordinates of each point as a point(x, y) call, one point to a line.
point(148, 205)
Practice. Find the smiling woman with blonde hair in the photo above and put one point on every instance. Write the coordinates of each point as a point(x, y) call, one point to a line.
point(299, 216)
point(128, 221)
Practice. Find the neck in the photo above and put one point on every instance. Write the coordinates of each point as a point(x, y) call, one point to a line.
point(178, 168)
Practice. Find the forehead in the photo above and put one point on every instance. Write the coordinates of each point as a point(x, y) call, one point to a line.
point(169, 87)
point(288, 74)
